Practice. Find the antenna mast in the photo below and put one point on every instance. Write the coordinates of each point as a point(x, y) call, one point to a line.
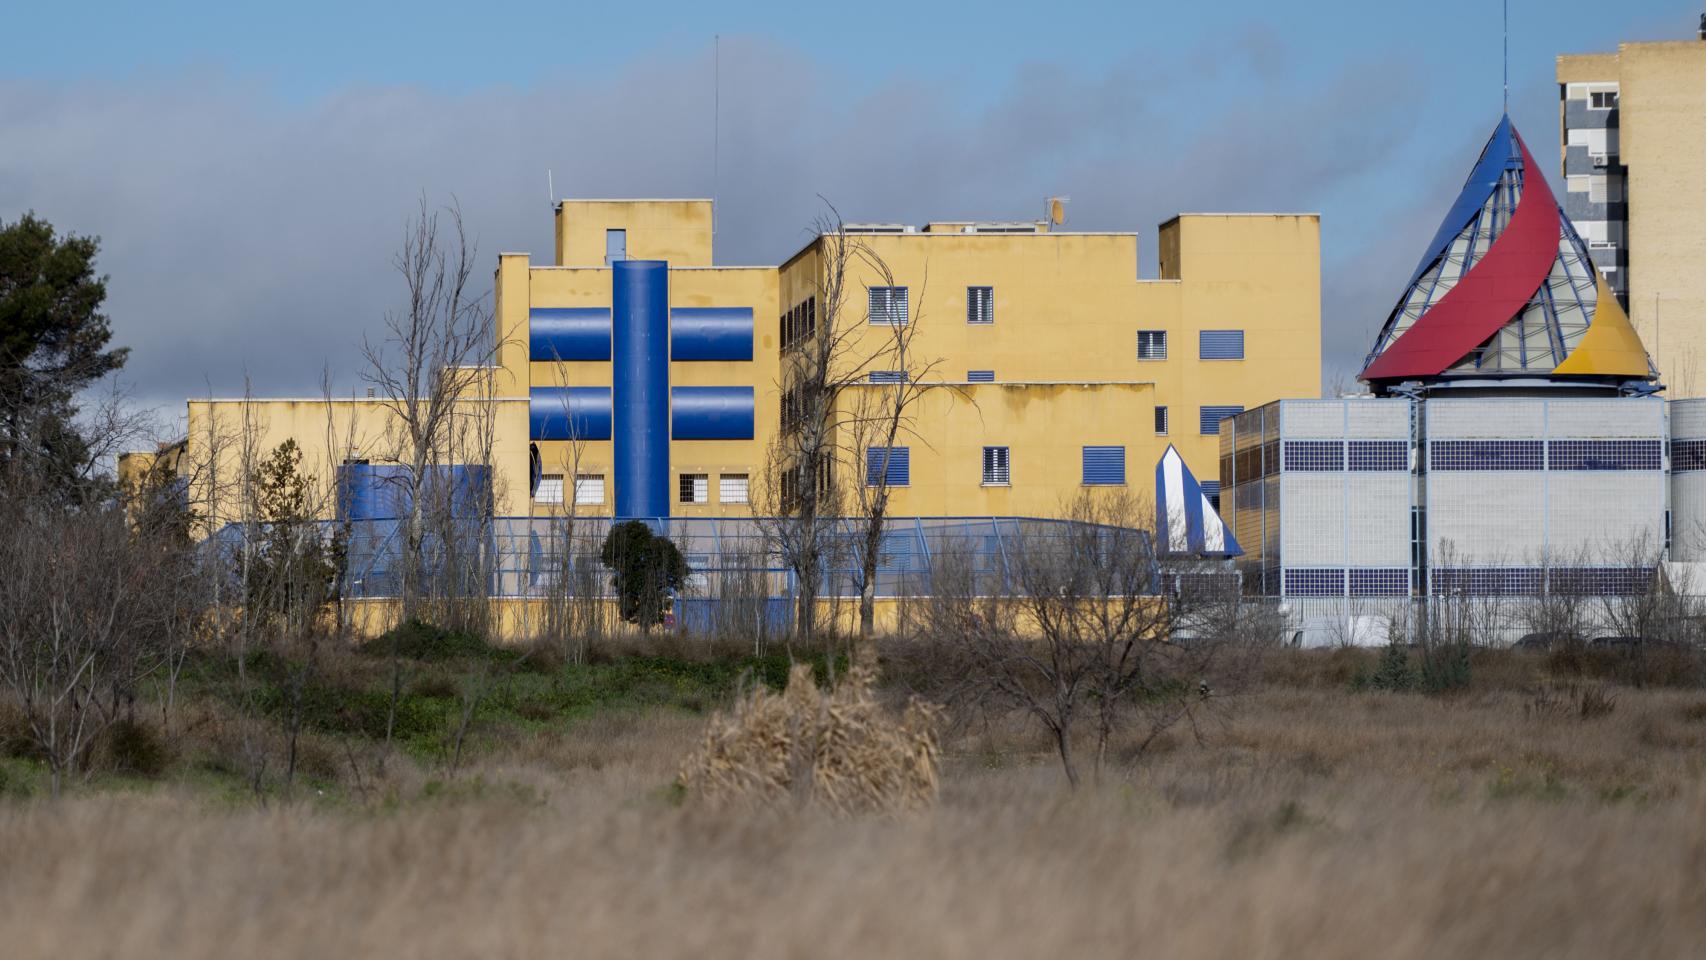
point(716, 128)
point(1507, 10)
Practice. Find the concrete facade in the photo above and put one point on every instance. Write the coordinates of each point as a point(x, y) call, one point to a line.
point(1635, 190)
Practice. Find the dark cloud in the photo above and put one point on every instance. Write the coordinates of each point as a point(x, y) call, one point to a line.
point(247, 233)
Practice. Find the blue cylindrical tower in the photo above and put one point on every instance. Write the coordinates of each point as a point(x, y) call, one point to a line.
point(639, 352)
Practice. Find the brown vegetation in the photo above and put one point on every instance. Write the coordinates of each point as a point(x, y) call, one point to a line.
point(1313, 821)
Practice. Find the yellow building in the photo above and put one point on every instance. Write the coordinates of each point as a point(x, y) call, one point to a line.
point(1634, 132)
point(1043, 342)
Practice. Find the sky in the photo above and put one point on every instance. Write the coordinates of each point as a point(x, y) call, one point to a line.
point(250, 170)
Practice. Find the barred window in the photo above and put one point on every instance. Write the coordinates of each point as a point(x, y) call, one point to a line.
point(695, 488)
point(589, 489)
point(888, 305)
point(1604, 455)
point(980, 304)
point(995, 467)
point(1485, 581)
point(1314, 455)
point(1328, 582)
point(1688, 455)
point(1151, 344)
point(732, 488)
point(1161, 421)
point(1373, 455)
point(1487, 455)
point(1384, 582)
point(550, 489)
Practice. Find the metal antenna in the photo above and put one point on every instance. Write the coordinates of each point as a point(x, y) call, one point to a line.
point(1507, 9)
point(716, 127)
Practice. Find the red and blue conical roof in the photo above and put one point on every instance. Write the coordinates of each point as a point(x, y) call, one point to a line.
point(1506, 290)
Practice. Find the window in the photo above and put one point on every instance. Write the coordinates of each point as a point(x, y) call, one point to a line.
point(980, 304)
point(980, 376)
point(1211, 490)
point(1602, 100)
point(1151, 344)
point(732, 488)
point(615, 246)
point(1161, 421)
point(1104, 466)
point(995, 469)
point(1220, 345)
point(695, 488)
point(550, 489)
point(888, 376)
point(888, 305)
point(589, 489)
point(1210, 418)
point(888, 466)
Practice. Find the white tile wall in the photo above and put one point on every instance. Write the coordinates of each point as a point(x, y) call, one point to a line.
point(1312, 419)
point(1377, 419)
point(1477, 418)
point(1312, 530)
point(1688, 419)
point(1590, 418)
point(1378, 507)
point(1487, 518)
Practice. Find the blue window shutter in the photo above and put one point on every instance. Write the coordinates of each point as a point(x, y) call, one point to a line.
point(1104, 466)
point(1221, 345)
point(980, 376)
point(895, 462)
point(1211, 417)
point(888, 376)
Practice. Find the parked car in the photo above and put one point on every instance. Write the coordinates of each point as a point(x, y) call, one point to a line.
point(1544, 640)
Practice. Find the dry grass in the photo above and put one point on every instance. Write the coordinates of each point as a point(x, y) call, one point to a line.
point(838, 749)
point(1317, 823)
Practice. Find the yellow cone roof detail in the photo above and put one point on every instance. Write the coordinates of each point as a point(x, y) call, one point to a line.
point(1610, 347)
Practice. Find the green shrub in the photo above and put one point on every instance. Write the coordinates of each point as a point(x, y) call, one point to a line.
point(1446, 668)
point(135, 748)
point(1393, 673)
point(418, 640)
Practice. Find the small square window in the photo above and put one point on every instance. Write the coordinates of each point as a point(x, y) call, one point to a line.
point(980, 304)
point(888, 305)
point(1603, 100)
point(1161, 421)
point(550, 489)
point(695, 488)
point(1151, 344)
point(995, 467)
point(589, 489)
point(732, 488)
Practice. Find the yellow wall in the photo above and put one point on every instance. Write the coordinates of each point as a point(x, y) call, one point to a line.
point(1068, 308)
point(327, 433)
point(1662, 140)
point(1063, 348)
point(675, 230)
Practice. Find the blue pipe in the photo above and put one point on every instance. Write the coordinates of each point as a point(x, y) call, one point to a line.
point(639, 299)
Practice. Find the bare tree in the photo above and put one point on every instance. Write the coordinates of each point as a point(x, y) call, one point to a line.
point(1091, 628)
point(880, 415)
point(435, 356)
point(828, 353)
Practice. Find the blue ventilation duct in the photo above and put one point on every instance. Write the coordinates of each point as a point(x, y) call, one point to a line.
point(640, 377)
point(569, 413)
point(710, 333)
point(381, 491)
point(568, 333)
point(712, 413)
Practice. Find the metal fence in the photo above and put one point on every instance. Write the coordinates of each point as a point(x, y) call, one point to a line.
point(531, 556)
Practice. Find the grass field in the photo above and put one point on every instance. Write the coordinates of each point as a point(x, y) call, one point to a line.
point(1536, 814)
